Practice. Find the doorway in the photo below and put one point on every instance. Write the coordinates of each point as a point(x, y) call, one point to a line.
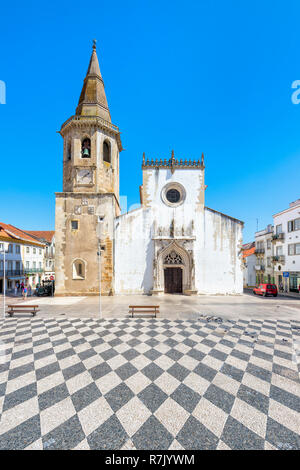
point(173, 280)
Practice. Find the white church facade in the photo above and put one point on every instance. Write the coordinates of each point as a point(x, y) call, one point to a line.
point(173, 243)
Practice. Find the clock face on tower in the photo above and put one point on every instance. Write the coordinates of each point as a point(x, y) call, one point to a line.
point(84, 176)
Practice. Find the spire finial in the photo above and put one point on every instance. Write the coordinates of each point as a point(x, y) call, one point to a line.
point(202, 159)
point(94, 44)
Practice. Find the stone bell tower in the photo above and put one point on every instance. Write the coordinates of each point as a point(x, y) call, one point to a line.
point(90, 192)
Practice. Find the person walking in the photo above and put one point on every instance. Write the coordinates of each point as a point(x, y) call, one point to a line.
point(24, 292)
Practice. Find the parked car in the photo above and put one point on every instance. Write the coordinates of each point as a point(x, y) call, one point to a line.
point(266, 289)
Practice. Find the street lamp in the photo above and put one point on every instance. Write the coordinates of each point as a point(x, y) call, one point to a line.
point(4, 287)
point(99, 235)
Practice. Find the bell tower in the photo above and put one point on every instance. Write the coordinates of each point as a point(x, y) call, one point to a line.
point(91, 149)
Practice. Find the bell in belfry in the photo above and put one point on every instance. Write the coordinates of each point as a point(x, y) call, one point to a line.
point(86, 145)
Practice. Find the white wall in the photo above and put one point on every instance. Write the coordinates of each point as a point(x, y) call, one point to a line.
point(249, 272)
point(292, 262)
point(217, 238)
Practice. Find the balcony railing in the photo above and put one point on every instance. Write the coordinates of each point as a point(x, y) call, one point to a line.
point(33, 270)
point(278, 259)
point(278, 236)
point(12, 272)
point(259, 267)
point(259, 251)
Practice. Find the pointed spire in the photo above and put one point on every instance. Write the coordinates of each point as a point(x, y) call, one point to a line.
point(92, 101)
point(202, 159)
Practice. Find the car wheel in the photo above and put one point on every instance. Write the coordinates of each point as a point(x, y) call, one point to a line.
point(274, 295)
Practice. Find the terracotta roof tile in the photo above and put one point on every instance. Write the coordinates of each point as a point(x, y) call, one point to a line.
point(42, 234)
point(14, 232)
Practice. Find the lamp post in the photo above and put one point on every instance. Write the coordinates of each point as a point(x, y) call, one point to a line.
point(4, 287)
point(99, 274)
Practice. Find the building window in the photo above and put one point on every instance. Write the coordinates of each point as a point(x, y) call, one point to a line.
point(269, 244)
point(10, 248)
point(27, 264)
point(17, 248)
point(74, 224)
point(294, 249)
point(27, 249)
point(279, 250)
point(40, 265)
point(78, 269)
point(293, 225)
point(69, 151)
point(34, 265)
point(106, 152)
point(40, 251)
point(86, 148)
point(278, 229)
point(173, 194)
point(34, 251)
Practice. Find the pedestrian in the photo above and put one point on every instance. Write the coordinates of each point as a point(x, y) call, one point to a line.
point(281, 287)
point(24, 292)
point(16, 289)
point(299, 288)
point(29, 290)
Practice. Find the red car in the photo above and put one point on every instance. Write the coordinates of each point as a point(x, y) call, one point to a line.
point(266, 289)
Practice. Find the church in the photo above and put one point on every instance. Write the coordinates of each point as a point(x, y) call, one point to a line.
point(172, 244)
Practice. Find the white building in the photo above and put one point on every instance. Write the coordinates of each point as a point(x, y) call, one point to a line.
point(250, 263)
point(48, 239)
point(23, 258)
point(174, 243)
point(264, 255)
point(287, 247)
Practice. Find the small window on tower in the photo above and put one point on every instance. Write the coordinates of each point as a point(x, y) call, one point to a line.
point(78, 269)
point(74, 224)
point(106, 152)
point(69, 151)
point(86, 148)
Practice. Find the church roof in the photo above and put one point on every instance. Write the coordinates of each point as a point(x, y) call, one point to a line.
point(92, 101)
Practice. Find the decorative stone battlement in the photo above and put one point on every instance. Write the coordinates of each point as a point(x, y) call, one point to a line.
point(173, 163)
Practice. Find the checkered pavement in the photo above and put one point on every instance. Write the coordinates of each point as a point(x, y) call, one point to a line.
point(149, 384)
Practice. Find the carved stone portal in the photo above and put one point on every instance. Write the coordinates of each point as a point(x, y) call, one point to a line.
point(168, 254)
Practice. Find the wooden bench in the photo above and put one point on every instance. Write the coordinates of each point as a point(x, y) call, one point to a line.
point(22, 308)
point(151, 309)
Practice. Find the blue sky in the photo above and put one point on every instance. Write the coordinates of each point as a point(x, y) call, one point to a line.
point(196, 76)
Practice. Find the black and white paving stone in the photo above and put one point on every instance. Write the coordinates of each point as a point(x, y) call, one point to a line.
point(143, 383)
